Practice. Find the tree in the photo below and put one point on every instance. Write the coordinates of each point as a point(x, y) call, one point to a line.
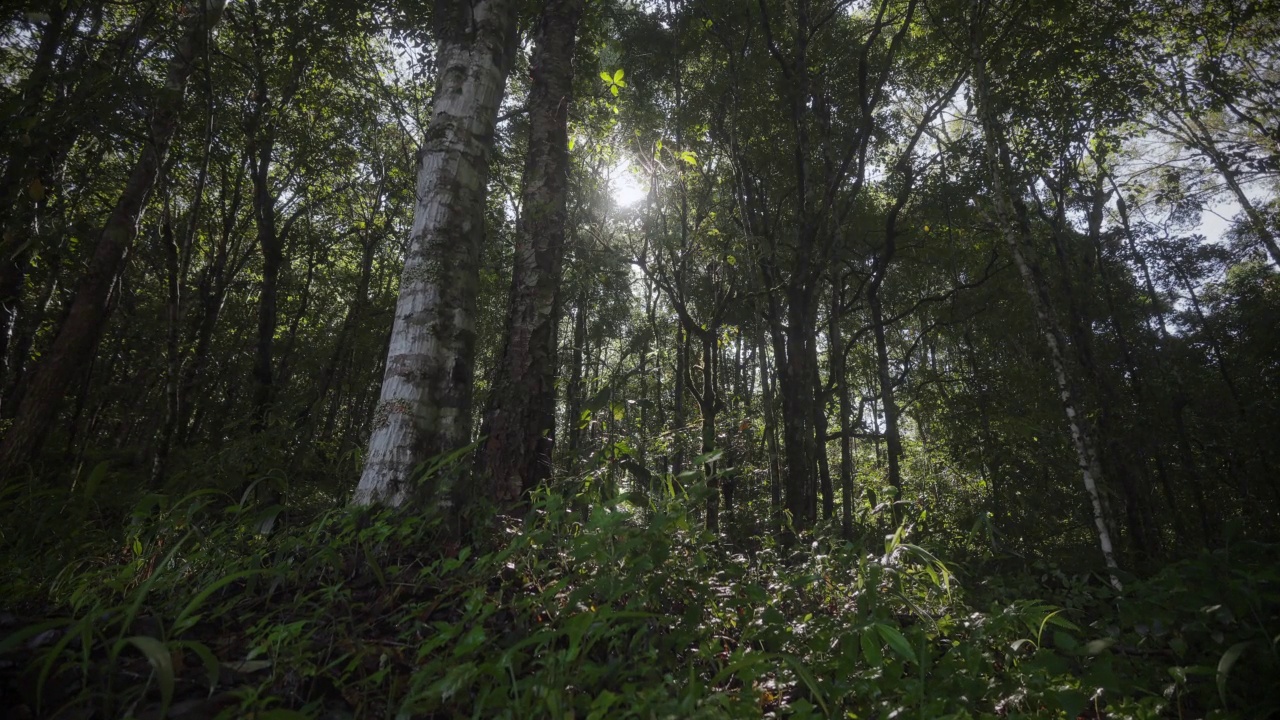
point(424, 408)
point(87, 314)
point(519, 424)
point(1011, 218)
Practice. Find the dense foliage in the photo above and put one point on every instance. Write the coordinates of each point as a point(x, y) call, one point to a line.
point(833, 358)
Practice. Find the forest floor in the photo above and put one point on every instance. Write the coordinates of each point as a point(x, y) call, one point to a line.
point(606, 614)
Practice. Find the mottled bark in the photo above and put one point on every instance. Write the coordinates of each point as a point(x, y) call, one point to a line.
point(424, 408)
point(519, 423)
point(72, 349)
point(888, 398)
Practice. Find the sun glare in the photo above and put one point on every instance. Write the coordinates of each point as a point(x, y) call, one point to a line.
point(626, 186)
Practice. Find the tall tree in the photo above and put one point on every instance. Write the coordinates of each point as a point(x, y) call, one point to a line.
point(519, 424)
point(425, 405)
point(73, 348)
point(1013, 222)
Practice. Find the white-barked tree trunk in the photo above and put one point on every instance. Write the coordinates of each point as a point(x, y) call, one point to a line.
point(425, 406)
point(1017, 233)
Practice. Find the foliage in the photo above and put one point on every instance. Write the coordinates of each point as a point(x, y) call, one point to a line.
point(372, 614)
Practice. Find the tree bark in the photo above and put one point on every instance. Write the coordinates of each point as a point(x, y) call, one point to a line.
point(575, 394)
point(771, 438)
point(86, 320)
point(519, 424)
point(424, 408)
point(839, 378)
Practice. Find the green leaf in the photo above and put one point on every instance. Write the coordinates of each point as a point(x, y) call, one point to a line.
point(1229, 659)
point(731, 260)
point(185, 617)
point(1020, 643)
point(1064, 641)
point(897, 642)
point(206, 656)
point(614, 89)
point(605, 76)
point(617, 76)
point(809, 680)
point(871, 650)
point(1072, 702)
point(689, 157)
point(161, 661)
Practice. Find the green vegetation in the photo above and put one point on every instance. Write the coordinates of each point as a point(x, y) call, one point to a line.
point(625, 611)
point(868, 359)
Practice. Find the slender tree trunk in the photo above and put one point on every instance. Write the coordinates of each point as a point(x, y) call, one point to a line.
point(574, 396)
point(173, 311)
point(261, 152)
point(86, 320)
point(820, 426)
point(356, 310)
point(839, 378)
point(18, 180)
point(519, 424)
point(709, 404)
point(771, 439)
point(678, 415)
point(888, 399)
point(424, 408)
point(1017, 234)
point(1202, 138)
point(285, 373)
point(177, 262)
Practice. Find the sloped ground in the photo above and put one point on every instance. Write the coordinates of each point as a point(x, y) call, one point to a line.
point(615, 614)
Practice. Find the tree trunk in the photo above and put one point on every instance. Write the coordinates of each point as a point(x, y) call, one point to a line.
point(424, 408)
point(820, 426)
point(771, 438)
point(575, 394)
point(678, 415)
point(888, 399)
point(839, 378)
point(791, 347)
point(86, 320)
point(17, 180)
point(708, 405)
point(1016, 234)
point(519, 424)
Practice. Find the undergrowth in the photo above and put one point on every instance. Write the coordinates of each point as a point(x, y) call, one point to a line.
point(620, 612)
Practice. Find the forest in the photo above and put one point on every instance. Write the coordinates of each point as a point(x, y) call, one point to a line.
point(860, 359)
